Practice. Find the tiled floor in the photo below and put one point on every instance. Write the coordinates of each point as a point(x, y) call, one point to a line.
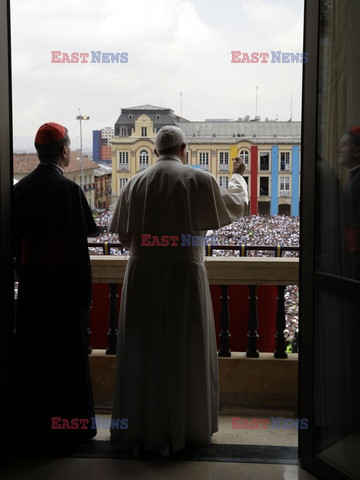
point(228, 435)
point(111, 469)
point(107, 469)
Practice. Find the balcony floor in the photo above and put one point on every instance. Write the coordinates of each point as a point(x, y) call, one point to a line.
point(229, 436)
point(115, 469)
point(253, 463)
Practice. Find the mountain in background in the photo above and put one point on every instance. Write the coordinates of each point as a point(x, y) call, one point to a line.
point(24, 144)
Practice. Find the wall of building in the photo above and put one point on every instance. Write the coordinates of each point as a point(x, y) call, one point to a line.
point(88, 182)
point(96, 145)
point(272, 170)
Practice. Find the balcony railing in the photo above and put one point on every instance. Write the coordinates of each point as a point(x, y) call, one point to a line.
point(204, 166)
point(223, 271)
point(124, 167)
point(224, 167)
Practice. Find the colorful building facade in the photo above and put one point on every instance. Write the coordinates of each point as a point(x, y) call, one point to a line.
point(270, 150)
point(102, 145)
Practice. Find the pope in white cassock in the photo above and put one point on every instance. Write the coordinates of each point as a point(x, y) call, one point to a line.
point(166, 379)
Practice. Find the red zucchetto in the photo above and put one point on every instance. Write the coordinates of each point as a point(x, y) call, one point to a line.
point(50, 133)
point(355, 131)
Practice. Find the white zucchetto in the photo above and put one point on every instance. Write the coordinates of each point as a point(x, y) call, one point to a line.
point(168, 137)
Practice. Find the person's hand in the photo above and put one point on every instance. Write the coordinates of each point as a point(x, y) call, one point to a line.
point(238, 165)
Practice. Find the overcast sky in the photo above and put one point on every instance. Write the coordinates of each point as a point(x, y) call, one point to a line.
point(172, 46)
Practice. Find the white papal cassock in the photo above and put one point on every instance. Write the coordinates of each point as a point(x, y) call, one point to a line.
point(166, 378)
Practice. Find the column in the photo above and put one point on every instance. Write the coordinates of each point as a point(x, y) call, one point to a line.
point(254, 180)
point(274, 204)
point(295, 181)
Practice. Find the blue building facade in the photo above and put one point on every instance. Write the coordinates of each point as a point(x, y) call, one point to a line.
point(96, 145)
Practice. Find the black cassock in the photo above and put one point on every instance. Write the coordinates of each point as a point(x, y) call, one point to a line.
point(51, 222)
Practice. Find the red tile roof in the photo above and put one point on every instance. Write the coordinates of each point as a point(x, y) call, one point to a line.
point(27, 162)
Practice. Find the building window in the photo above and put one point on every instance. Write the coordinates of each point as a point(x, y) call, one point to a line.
point(143, 131)
point(284, 186)
point(264, 186)
point(224, 161)
point(143, 159)
point(122, 182)
point(123, 132)
point(107, 133)
point(245, 156)
point(187, 157)
point(285, 161)
point(264, 161)
point(123, 160)
point(204, 160)
point(224, 181)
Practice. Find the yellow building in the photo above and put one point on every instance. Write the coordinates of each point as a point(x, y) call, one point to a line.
point(270, 150)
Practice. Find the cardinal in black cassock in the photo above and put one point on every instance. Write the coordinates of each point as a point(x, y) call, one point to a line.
point(52, 220)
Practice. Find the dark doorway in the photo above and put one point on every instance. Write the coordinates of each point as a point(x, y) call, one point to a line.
point(284, 209)
point(264, 208)
point(6, 264)
point(330, 242)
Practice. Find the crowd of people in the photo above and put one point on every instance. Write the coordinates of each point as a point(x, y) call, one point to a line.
point(259, 230)
point(251, 230)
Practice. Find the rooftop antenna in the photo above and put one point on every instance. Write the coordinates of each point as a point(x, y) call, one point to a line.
point(256, 103)
point(180, 104)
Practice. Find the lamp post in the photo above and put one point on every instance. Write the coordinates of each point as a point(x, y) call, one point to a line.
point(81, 118)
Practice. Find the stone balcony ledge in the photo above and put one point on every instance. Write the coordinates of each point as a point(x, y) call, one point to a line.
point(221, 270)
point(264, 382)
